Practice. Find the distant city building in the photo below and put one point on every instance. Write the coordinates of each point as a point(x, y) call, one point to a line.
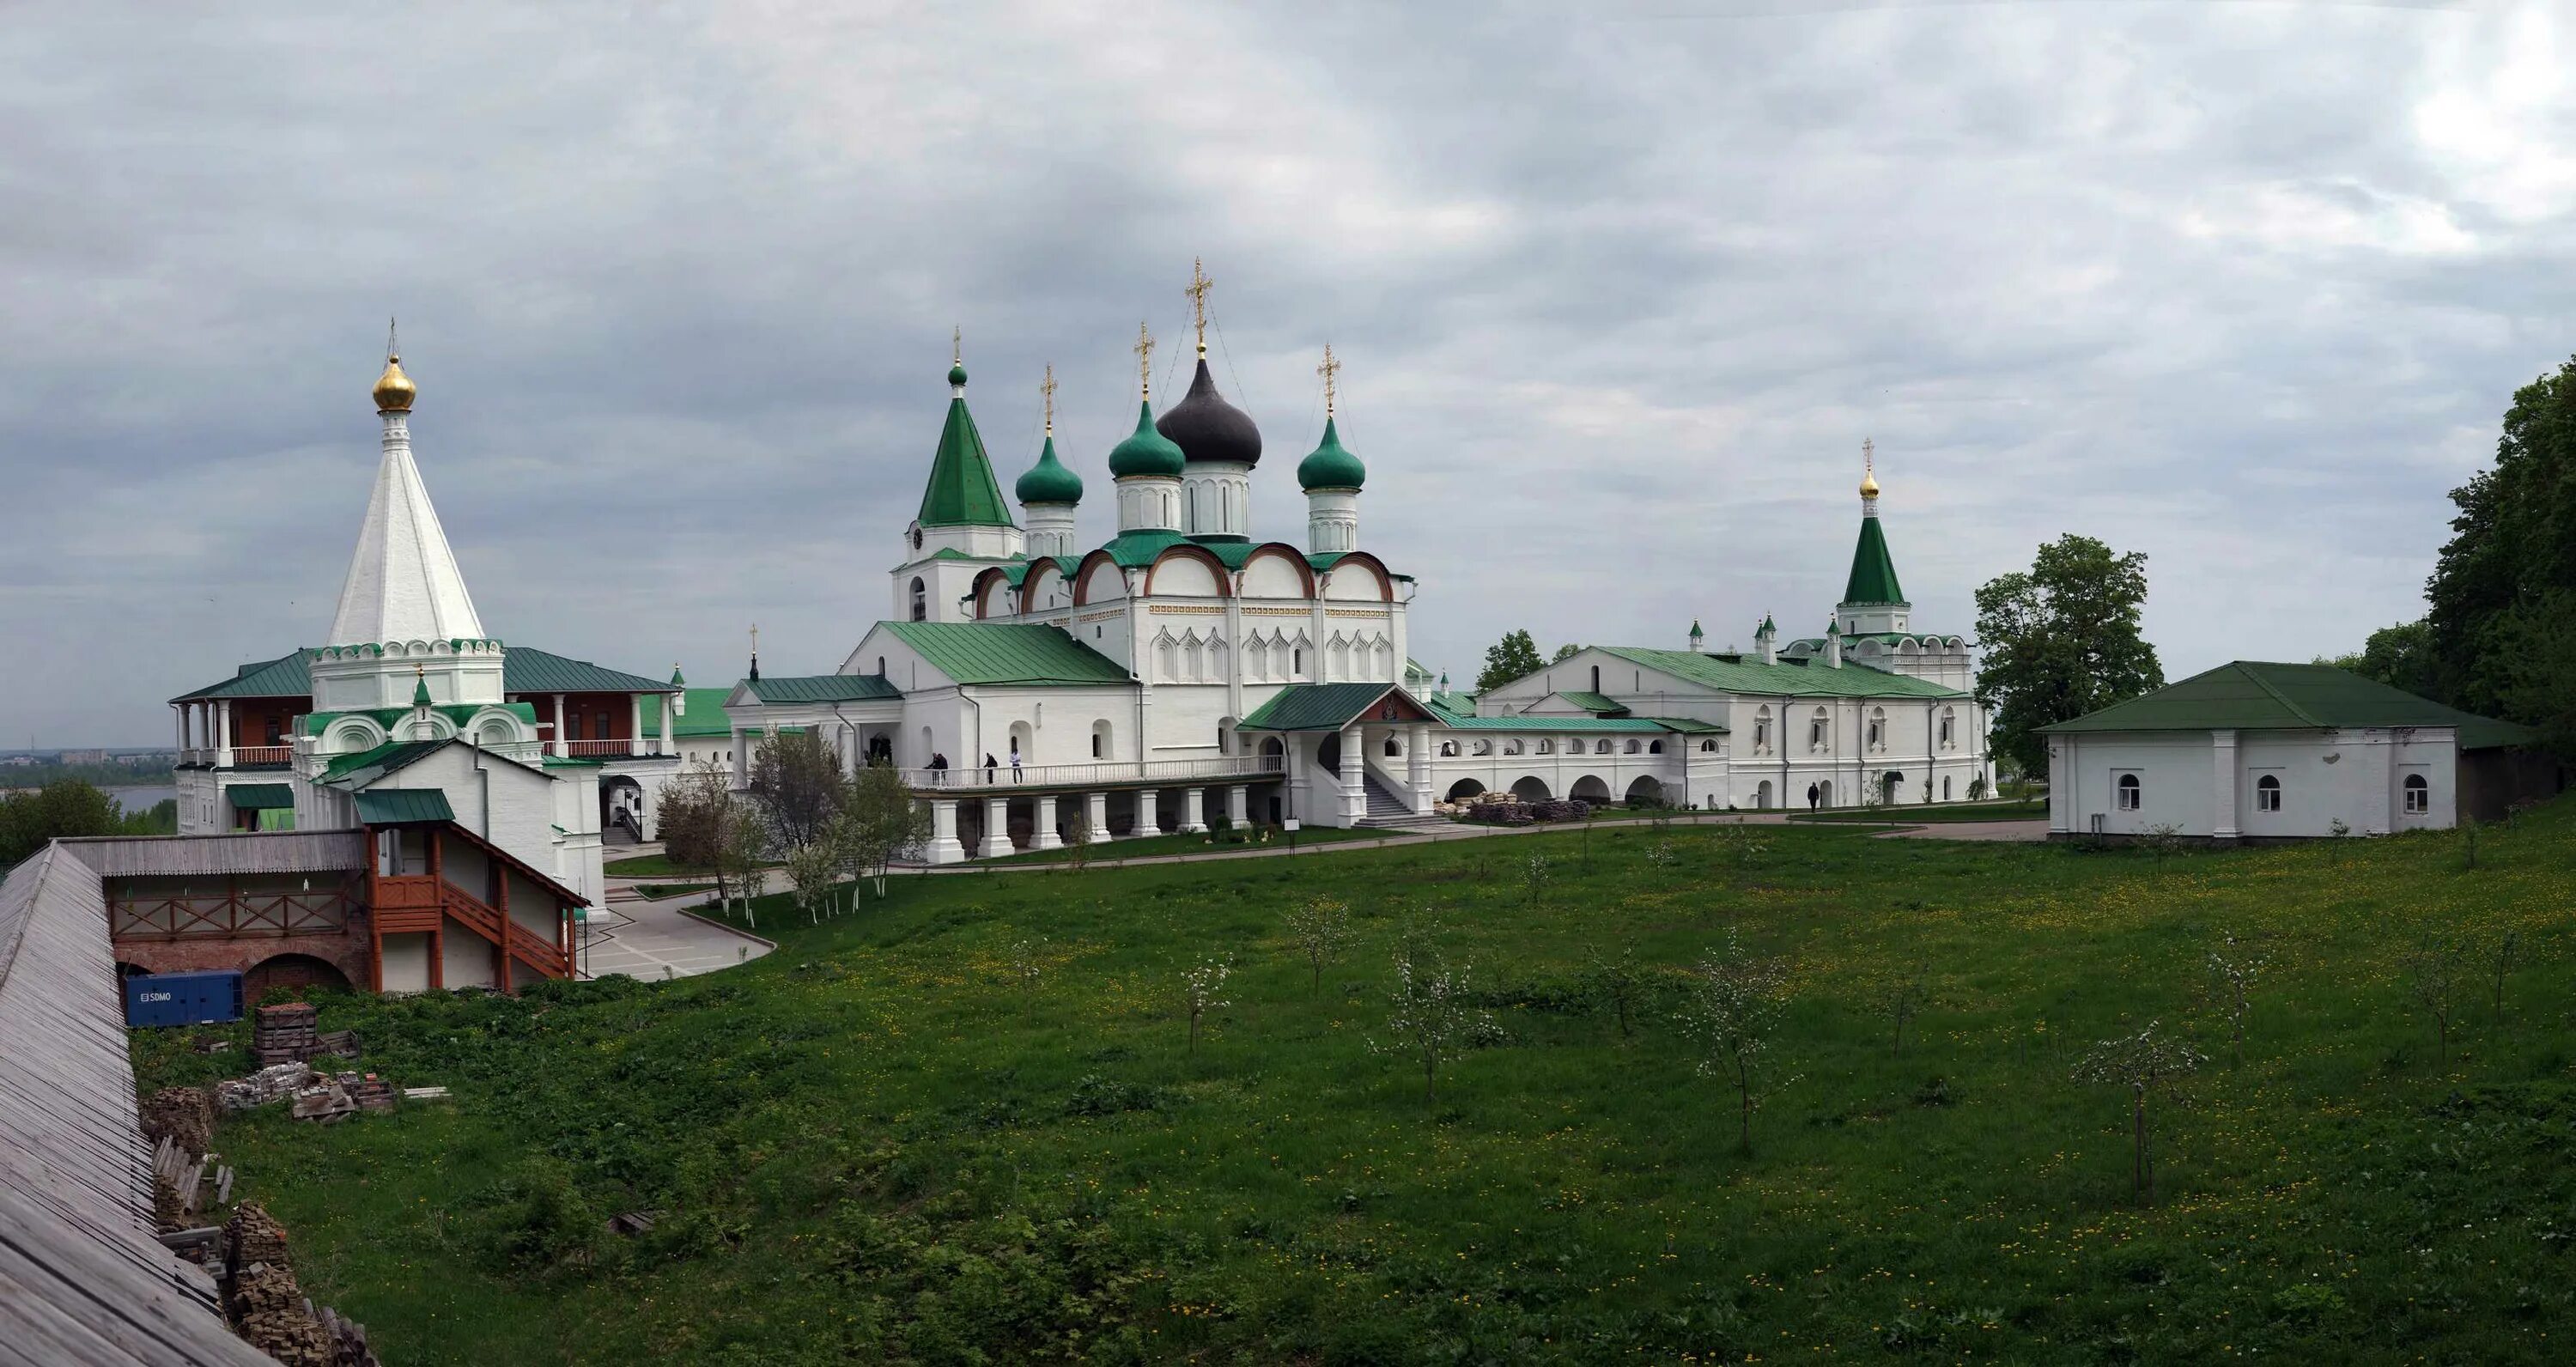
point(1180, 665)
point(82, 757)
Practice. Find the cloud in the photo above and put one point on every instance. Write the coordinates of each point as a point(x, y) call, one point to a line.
point(1620, 291)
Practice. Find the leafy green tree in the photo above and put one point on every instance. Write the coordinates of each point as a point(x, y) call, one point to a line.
point(1565, 652)
point(2061, 640)
point(1513, 657)
point(2399, 656)
point(797, 782)
point(879, 822)
point(2509, 570)
point(55, 811)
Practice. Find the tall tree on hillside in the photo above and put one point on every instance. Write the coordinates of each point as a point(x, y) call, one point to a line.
point(1513, 657)
point(2399, 656)
point(67, 808)
point(797, 782)
point(2061, 640)
point(879, 822)
point(2501, 624)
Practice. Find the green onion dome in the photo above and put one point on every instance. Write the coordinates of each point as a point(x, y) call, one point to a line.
point(1148, 452)
point(1049, 481)
point(1328, 466)
point(957, 374)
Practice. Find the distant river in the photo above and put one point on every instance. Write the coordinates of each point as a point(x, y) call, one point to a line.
point(140, 800)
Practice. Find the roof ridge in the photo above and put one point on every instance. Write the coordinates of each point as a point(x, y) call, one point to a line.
point(2245, 668)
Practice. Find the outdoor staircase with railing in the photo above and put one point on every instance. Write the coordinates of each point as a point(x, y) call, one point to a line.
point(1388, 810)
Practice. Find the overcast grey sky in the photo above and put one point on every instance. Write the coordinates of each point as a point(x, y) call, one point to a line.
point(1619, 287)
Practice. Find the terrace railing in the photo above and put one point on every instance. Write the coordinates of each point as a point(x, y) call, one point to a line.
point(1098, 774)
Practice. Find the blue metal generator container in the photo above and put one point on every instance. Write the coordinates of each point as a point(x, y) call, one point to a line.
point(157, 999)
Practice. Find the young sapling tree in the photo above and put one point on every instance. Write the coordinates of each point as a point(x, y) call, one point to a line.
point(2433, 973)
point(1535, 875)
point(1900, 999)
point(1429, 1020)
point(1200, 989)
point(1733, 1009)
point(2499, 956)
point(2236, 969)
point(1028, 964)
point(1321, 928)
point(2142, 1063)
point(1617, 982)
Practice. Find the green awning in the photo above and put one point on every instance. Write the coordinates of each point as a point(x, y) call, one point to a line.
point(400, 806)
point(261, 797)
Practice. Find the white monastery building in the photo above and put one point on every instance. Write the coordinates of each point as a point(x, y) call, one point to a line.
point(1181, 673)
point(2256, 751)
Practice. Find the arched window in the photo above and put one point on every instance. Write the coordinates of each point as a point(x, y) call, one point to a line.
point(1545, 747)
point(1100, 738)
point(1448, 749)
point(1601, 747)
point(1819, 731)
point(1596, 678)
point(2129, 792)
point(1708, 747)
point(1392, 749)
point(1297, 662)
point(2267, 793)
point(1654, 747)
point(1634, 747)
point(881, 666)
point(1949, 728)
point(1945, 787)
point(1762, 733)
point(2419, 795)
point(1512, 747)
point(1482, 747)
point(920, 601)
point(1878, 728)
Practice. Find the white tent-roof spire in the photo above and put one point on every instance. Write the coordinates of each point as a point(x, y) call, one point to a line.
point(403, 583)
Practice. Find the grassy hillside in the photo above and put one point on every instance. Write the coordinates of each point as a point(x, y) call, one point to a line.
point(887, 1142)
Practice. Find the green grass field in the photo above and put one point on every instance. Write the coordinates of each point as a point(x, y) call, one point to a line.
point(2025, 809)
point(885, 1143)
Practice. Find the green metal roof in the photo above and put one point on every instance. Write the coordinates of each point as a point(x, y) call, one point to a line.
point(367, 766)
point(1873, 574)
point(401, 806)
point(2254, 695)
point(1787, 679)
point(1006, 653)
point(524, 669)
point(1541, 726)
point(287, 676)
point(261, 797)
point(1315, 707)
point(1596, 703)
point(823, 688)
point(962, 491)
point(528, 670)
point(704, 715)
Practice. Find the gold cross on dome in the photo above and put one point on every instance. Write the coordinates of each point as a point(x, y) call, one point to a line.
point(1046, 390)
point(1144, 350)
point(1329, 370)
point(956, 346)
point(1868, 456)
point(1198, 292)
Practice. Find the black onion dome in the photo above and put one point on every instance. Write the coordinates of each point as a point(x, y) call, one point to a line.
point(1206, 427)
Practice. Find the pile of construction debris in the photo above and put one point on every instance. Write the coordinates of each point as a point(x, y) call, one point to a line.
point(269, 1309)
point(290, 1033)
point(316, 1095)
point(1499, 808)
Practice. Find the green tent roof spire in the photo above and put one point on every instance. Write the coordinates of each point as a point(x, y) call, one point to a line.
point(419, 687)
point(962, 491)
point(1873, 573)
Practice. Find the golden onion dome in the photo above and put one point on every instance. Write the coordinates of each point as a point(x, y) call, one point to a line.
point(1869, 486)
point(394, 389)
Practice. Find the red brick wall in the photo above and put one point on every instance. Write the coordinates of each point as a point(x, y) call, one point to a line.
point(345, 950)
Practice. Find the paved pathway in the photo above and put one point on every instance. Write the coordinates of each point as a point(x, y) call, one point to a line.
point(654, 940)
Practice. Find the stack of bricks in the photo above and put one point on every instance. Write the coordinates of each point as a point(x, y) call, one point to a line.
point(268, 1307)
point(283, 1034)
point(372, 1093)
point(183, 1114)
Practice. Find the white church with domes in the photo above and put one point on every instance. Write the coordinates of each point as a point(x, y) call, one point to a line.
point(1181, 673)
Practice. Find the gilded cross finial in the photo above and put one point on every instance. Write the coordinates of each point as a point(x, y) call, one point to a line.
point(1868, 457)
point(392, 352)
point(1046, 389)
point(1144, 349)
point(956, 346)
point(1198, 292)
point(755, 638)
point(1330, 370)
